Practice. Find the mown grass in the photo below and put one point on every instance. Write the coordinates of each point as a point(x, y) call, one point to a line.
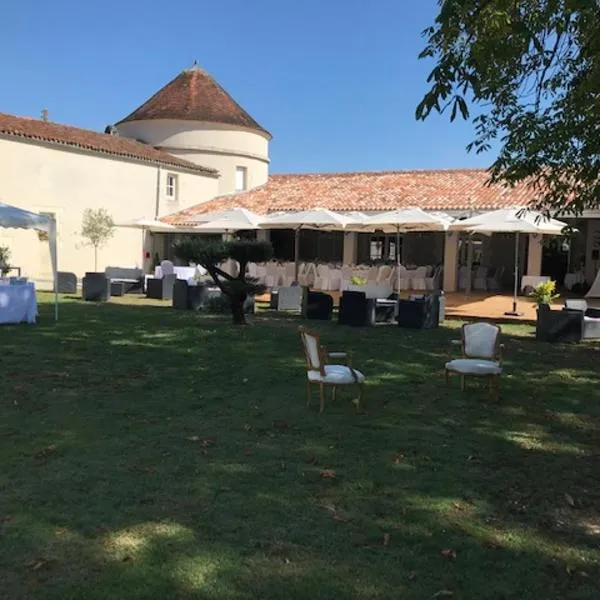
point(150, 453)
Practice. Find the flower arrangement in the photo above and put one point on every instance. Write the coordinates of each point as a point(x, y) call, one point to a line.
point(357, 280)
point(544, 293)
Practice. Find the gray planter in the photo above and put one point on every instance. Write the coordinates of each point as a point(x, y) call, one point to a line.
point(95, 287)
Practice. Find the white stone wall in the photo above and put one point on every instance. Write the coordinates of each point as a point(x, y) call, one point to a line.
point(44, 178)
point(218, 146)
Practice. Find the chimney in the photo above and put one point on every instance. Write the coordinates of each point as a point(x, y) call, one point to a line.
point(45, 115)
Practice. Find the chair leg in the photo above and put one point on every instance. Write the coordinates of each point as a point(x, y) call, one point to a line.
point(322, 395)
point(359, 399)
point(497, 388)
point(492, 384)
point(308, 393)
point(447, 376)
point(333, 393)
point(462, 383)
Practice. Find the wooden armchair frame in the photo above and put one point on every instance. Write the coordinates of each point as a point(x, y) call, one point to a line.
point(494, 379)
point(318, 366)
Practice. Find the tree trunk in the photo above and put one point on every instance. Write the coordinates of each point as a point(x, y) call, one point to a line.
point(237, 309)
point(95, 258)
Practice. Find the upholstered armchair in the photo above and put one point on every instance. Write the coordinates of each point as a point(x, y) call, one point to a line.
point(481, 355)
point(319, 371)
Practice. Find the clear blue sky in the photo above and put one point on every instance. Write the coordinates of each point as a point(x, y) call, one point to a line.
point(335, 81)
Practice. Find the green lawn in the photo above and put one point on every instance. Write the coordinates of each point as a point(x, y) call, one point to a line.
point(150, 453)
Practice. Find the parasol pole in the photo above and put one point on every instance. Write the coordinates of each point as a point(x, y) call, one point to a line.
point(514, 312)
point(296, 254)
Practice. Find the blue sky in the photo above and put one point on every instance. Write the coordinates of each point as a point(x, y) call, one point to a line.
point(335, 81)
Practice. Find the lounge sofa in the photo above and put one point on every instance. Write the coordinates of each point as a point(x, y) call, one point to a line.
point(591, 317)
point(124, 280)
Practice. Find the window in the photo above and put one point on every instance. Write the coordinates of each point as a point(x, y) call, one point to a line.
point(171, 186)
point(241, 179)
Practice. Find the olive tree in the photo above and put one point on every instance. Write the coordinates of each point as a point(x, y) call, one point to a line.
point(97, 228)
point(211, 255)
point(527, 72)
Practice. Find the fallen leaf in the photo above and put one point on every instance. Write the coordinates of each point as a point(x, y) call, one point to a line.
point(45, 452)
point(411, 575)
point(280, 424)
point(127, 559)
point(311, 460)
point(386, 539)
point(207, 442)
point(569, 500)
point(443, 593)
point(397, 458)
point(193, 438)
point(328, 474)
point(449, 553)
point(38, 563)
point(6, 519)
point(339, 518)
point(248, 452)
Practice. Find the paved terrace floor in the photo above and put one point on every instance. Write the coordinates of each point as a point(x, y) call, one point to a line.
point(478, 305)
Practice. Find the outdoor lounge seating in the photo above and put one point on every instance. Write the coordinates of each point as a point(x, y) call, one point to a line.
point(558, 325)
point(419, 312)
point(126, 279)
point(66, 282)
point(318, 306)
point(481, 355)
point(591, 317)
point(289, 298)
point(320, 372)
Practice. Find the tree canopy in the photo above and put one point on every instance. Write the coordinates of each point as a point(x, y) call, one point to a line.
point(97, 228)
point(211, 255)
point(527, 72)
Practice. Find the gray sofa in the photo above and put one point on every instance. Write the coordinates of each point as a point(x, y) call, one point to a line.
point(591, 317)
point(124, 280)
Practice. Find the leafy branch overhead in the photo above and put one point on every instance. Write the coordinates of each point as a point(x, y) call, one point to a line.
point(527, 73)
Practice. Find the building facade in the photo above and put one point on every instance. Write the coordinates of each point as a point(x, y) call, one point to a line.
point(191, 148)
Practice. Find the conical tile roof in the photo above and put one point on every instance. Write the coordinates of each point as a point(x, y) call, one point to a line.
point(194, 95)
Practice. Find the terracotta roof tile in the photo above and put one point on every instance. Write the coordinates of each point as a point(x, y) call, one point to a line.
point(195, 96)
point(64, 135)
point(441, 190)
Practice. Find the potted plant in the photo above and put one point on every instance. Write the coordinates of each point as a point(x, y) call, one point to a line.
point(544, 294)
point(4, 260)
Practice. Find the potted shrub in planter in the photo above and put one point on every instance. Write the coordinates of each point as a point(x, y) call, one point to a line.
point(551, 325)
point(4, 260)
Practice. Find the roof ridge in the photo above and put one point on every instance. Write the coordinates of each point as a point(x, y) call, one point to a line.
point(88, 139)
point(382, 172)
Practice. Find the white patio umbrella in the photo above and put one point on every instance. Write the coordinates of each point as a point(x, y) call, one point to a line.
point(406, 219)
point(511, 220)
point(147, 224)
point(237, 219)
point(314, 218)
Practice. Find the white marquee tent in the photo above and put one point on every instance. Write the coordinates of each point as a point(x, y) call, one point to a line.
point(17, 218)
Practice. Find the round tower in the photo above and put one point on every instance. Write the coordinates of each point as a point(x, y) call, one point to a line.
point(194, 118)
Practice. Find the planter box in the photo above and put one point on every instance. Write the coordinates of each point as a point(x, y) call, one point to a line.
point(558, 325)
point(95, 287)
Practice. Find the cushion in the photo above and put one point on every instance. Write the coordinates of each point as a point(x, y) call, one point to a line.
point(593, 313)
point(337, 374)
point(474, 366)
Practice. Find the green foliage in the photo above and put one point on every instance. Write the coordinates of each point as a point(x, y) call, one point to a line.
point(97, 227)
point(357, 280)
point(528, 74)
point(211, 254)
point(4, 259)
point(544, 293)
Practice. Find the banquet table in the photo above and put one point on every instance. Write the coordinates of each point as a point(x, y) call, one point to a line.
point(18, 303)
point(533, 281)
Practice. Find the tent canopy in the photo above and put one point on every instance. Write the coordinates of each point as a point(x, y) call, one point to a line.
point(18, 218)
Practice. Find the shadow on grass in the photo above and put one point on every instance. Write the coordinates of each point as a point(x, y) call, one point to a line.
point(150, 453)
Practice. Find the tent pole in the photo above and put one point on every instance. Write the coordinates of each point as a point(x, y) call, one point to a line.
point(398, 257)
point(469, 282)
point(514, 312)
point(296, 254)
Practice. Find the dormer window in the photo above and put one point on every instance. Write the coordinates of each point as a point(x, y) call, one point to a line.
point(241, 179)
point(171, 190)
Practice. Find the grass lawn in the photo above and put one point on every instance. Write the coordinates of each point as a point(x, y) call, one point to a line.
point(158, 454)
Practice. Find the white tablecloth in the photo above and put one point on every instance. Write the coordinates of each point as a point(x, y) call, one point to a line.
point(18, 303)
point(185, 273)
point(572, 278)
point(533, 280)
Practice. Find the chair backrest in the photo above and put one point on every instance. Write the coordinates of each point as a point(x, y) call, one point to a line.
point(384, 273)
point(480, 340)
point(420, 273)
point(576, 304)
point(167, 267)
point(312, 350)
point(290, 269)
